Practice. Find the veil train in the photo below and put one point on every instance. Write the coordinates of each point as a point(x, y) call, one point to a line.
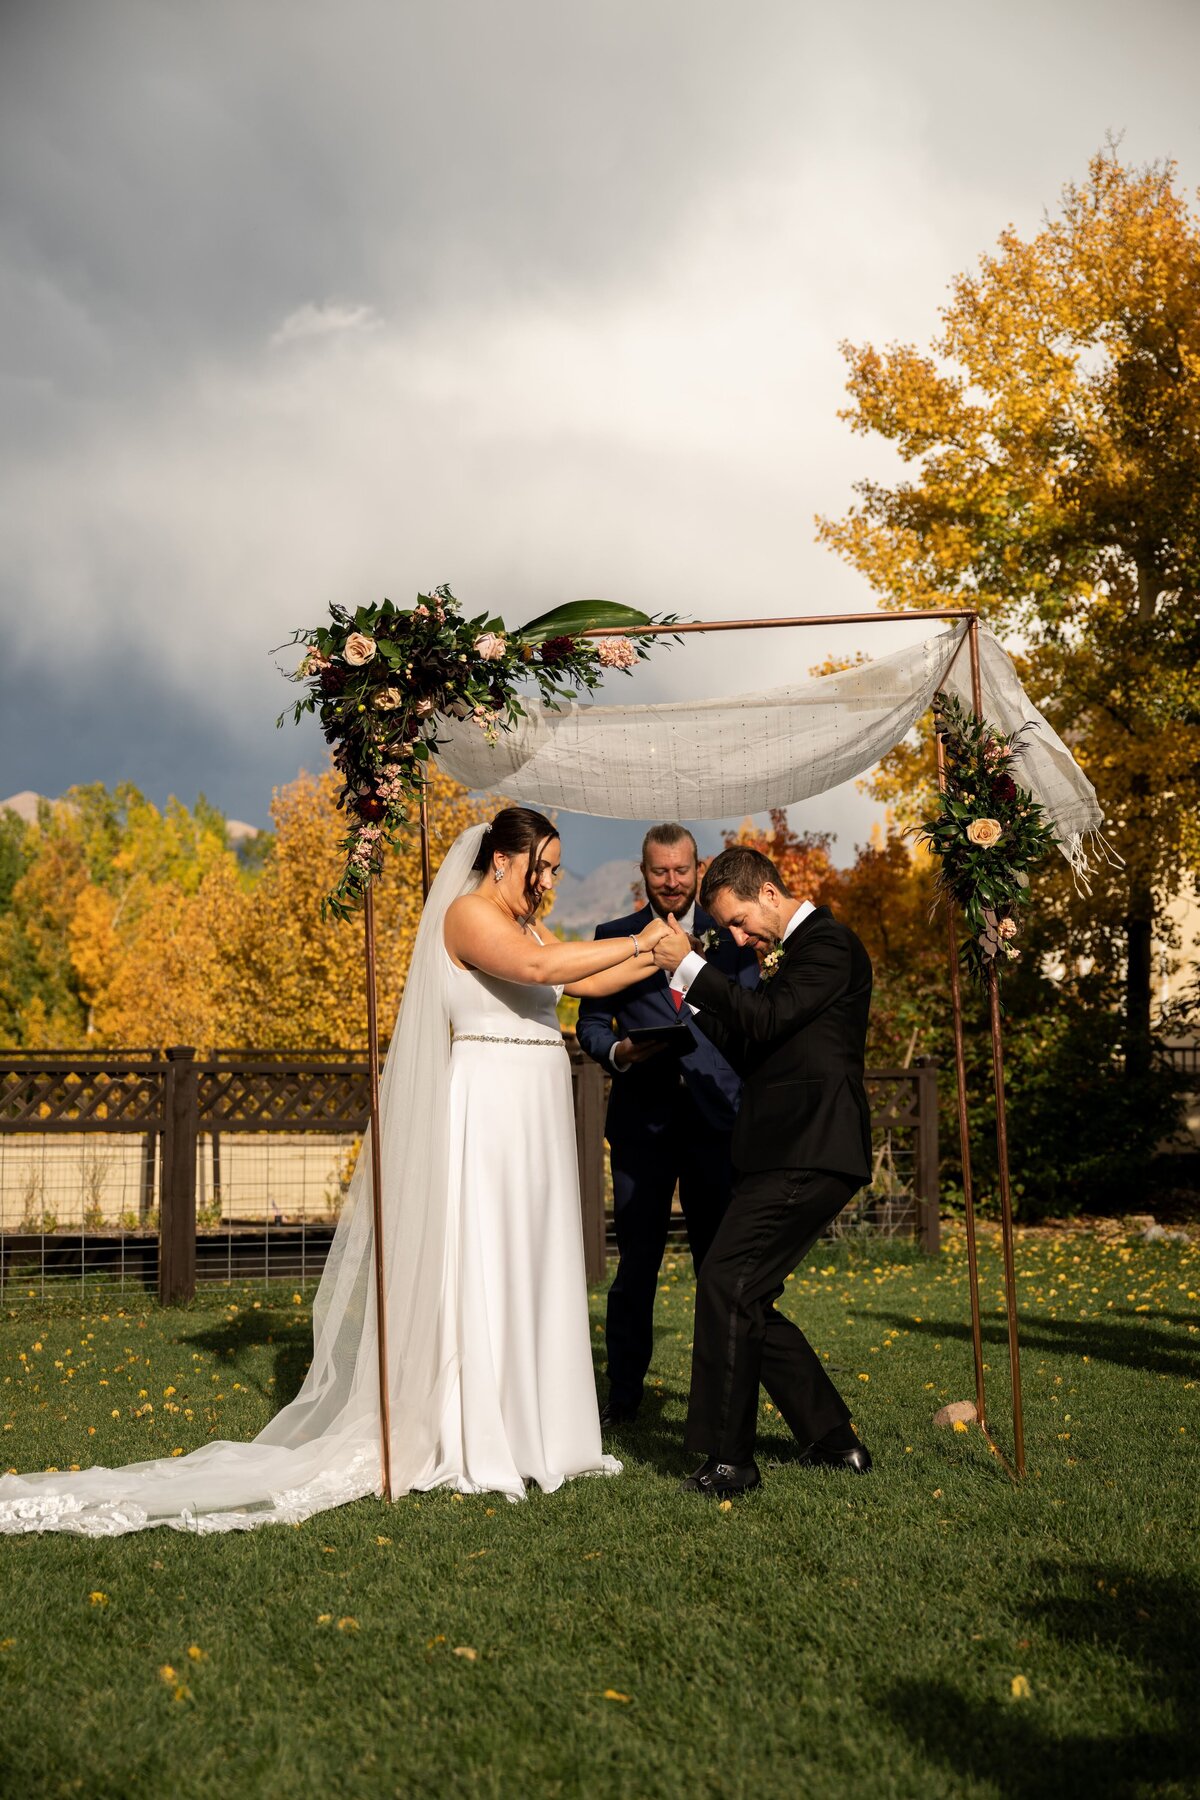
point(323, 1448)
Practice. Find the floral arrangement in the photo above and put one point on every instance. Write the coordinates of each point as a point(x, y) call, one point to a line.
point(989, 833)
point(382, 677)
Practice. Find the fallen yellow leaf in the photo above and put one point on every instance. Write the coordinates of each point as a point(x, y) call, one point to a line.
point(466, 1651)
point(1021, 1689)
point(612, 1694)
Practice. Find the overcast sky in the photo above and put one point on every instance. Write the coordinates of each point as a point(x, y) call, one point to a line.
point(303, 302)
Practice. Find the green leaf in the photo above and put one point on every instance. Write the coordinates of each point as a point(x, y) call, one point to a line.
point(581, 615)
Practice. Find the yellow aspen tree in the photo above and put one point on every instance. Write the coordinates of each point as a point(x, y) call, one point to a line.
point(1052, 437)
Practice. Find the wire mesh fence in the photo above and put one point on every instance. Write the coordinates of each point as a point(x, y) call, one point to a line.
point(86, 1207)
point(148, 1171)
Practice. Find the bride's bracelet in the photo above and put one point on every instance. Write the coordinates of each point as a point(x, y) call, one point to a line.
point(637, 948)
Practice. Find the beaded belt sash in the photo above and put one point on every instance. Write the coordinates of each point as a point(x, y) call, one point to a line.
point(485, 1037)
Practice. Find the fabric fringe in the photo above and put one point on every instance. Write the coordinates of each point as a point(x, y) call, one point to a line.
point(1084, 850)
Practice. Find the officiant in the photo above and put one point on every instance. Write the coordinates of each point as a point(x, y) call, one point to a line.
point(671, 1109)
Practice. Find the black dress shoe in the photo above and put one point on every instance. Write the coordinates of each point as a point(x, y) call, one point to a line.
point(691, 1483)
point(612, 1413)
point(722, 1480)
point(858, 1460)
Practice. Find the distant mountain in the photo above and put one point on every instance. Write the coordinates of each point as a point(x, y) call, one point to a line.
point(25, 805)
point(581, 902)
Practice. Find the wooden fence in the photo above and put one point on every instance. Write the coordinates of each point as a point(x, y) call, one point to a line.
point(175, 1103)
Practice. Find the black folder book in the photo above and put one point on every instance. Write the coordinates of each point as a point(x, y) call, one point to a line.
point(677, 1038)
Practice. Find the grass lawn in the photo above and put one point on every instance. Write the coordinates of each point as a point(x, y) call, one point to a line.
point(928, 1631)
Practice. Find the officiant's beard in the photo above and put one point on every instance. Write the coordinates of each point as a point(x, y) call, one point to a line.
point(675, 908)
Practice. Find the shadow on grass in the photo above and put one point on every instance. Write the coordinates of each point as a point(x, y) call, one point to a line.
point(1134, 1344)
point(255, 1330)
point(657, 1440)
point(1146, 1627)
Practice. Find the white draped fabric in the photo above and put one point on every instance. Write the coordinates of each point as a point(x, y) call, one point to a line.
point(713, 759)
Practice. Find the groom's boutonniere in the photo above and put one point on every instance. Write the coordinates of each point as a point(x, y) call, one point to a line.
point(770, 963)
point(709, 940)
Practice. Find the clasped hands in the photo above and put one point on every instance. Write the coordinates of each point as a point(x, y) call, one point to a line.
point(667, 942)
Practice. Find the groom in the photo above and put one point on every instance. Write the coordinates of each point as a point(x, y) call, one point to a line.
point(669, 1115)
point(801, 1148)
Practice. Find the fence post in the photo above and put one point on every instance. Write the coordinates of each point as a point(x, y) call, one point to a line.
point(177, 1184)
point(930, 1226)
point(589, 1144)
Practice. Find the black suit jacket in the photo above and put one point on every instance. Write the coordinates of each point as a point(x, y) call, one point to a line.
point(798, 1041)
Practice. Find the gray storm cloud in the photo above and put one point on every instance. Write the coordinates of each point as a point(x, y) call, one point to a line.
point(301, 303)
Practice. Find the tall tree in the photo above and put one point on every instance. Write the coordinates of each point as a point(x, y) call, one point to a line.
point(1053, 436)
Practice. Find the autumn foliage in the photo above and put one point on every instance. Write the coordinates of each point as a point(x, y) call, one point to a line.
point(1051, 437)
point(123, 925)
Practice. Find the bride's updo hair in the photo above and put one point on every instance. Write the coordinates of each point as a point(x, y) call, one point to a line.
point(516, 830)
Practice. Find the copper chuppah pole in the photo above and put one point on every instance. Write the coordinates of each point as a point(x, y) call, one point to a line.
point(1006, 1225)
point(425, 875)
point(964, 1129)
point(1006, 1219)
point(385, 1419)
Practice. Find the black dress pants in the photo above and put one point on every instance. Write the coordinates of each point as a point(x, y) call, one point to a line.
point(741, 1340)
point(677, 1146)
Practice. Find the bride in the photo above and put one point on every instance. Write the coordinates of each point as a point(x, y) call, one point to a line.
point(489, 1355)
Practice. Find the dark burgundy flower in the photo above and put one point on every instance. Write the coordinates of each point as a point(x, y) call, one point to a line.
point(1005, 789)
point(370, 806)
point(333, 680)
point(558, 649)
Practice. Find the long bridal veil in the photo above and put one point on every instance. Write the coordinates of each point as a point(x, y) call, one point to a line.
point(324, 1447)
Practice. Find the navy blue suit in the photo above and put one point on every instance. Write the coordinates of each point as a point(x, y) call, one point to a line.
point(669, 1122)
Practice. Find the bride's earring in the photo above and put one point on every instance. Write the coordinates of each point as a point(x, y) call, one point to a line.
point(497, 873)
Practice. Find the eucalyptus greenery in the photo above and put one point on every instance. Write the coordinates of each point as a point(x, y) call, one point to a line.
point(383, 679)
point(989, 833)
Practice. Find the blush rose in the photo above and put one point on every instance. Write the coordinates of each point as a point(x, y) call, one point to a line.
point(984, 832)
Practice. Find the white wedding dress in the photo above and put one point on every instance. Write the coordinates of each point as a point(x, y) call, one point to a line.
point(489, 1358)
point(522, 1402)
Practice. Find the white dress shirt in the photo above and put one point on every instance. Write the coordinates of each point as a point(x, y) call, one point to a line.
point(687, 922)
point(693, 962)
